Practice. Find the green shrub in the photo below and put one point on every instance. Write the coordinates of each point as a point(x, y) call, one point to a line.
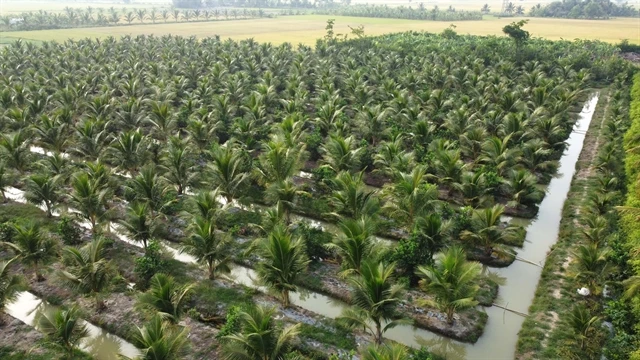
point(149, 264)
point(232, 323)
point(68, 232)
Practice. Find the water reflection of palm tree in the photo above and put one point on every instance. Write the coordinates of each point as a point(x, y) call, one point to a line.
point(447, 348)
point(103, 347)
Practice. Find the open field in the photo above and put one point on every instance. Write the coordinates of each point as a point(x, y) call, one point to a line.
point(306, 29)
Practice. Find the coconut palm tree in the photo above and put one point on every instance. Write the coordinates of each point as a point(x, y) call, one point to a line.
point(43, 189)
point(341, 154)
point(522, 187)
point(87, 270)
point(486, 231)
point(160, 340)
point(138, 223)
point(177, 165)
point(165, 297)
point(149, 188)
point(14, 150)
point(227, 171)
point(278, 163)
point(128, 151)
point(582, 322)
point(10, 285)
point(592, 266)
point(452, 281)
point(374, 300)
point(259, 338)
point(89, 197)
point(352, 199)
point(6, 180)
point(205, 204)
point(385, 352)
point(392, 157)
point(284, 260)
point(52, 133)
point(284, 195)
point(31, 247)
point(356, 244)
point(409, 196)
point(207, 247)
point(62, 328)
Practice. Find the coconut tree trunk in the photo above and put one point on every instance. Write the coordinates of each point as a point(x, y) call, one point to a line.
point(378, 335)
point(285, 298)
point(450, 312)
point(100, 305)
point(36, 272)
point(212, 271)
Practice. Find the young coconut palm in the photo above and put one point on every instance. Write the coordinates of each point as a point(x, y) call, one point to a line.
point(278, 163)
point(10, 286)
point(32, 248)
point(522, 187)
point(149, 188)
point(341, 154)
point(486, 232)
point(409, 196)
point(160, 340)
point(206, 204)
point(352, 198)
point(138, 223)
point(6, 180)
point(87, 270)
point(62, 328)
point(284, 261)
point(177, 165)
point(165, 297)
point(583, 323)
point(89, 197)
point(227, 172)
point(355, 244)
point(43, 189)
point(385, 352)
point(259, 338)
point(374, 300)
point(593, 266)
point(207, 246)
point(452, 282)
point(128, 151)
point(14, 149)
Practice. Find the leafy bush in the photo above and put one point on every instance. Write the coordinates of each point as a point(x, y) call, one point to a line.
point(315, 240)
point(232, 323)
point(149, 264)
point(68, 232)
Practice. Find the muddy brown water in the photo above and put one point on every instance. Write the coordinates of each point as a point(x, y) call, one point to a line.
point(101, 344)
point(498, 341)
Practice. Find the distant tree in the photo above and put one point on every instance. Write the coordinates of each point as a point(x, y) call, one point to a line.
point(485, 9)
point(166, 297)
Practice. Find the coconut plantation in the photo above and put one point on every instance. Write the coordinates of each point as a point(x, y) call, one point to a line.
point(410, 195)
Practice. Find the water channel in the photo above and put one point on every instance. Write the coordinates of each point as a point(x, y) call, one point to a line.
point(520, 279)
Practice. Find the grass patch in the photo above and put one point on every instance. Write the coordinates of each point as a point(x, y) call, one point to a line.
point(326, 334)
point(15, 212)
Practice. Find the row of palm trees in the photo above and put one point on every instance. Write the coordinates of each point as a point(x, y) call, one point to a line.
point(155, 119)
point(73, 17)
point(594, 265)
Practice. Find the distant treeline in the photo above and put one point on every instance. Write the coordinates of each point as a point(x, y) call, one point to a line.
point(584, 9)
point(268, 4)
point(401, 12)
point(74, 18)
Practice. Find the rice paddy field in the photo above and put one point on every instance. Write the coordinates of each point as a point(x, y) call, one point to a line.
point(305, 29)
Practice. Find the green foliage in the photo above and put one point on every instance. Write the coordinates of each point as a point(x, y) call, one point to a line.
point(587, 9)
point(68, 231)
point(232, 322)
point(315, 241)
point(150, 264)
